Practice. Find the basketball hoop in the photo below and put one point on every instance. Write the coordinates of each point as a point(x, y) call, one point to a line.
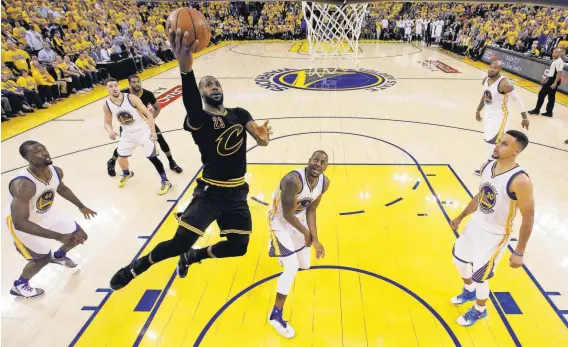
point(333, 34)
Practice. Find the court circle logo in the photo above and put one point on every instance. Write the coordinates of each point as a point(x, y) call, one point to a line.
point(341, 80)
point(45, 200)
point(487, 198)
point(125, 118)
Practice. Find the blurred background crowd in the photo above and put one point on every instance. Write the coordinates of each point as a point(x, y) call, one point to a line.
point(53, 49)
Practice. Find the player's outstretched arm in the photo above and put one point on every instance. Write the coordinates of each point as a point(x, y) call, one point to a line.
point(23, 191)
point(183, 50)
point(260, 133)
point(523, 189)
point(68, 195)
point(289, 188)
point(311, 220)
point(506, 87)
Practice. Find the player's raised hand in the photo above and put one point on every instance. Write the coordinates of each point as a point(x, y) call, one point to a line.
point(455, 223)
point(183, 48)
point(87, 212)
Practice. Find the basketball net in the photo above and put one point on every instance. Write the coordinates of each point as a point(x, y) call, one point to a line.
point(333, 35)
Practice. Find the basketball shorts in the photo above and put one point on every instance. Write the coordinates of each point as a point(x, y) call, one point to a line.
point(284, 239)
point(130, 140)
point(227, 206)
point(481, 249)
point(34, 247)
point(494, 126)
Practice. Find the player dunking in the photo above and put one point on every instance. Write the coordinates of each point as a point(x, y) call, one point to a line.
point(292, 223)
point(221, 192)
point(147, 98)
point(498, 91)
point(31, 219)
point(138, 129)
point(504, 188)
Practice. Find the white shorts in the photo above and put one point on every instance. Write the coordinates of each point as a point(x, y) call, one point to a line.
point(494, 126)
point(130, 140)
point(482, 249)
point(285, 240)
point(34, 247)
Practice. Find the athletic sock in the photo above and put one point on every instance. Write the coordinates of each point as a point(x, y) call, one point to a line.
point(202, 254)
point(163, 177)
point(125, 172)
point(20, 281)
point(479, 307)
point(469, 287)
point(170, 159)
point(59, 254)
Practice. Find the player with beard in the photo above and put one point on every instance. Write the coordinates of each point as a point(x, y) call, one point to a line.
point(504, 188)
point(147, 98)
point(221, 192)
point(32, 221)
point(292, 223)
point(498, 91)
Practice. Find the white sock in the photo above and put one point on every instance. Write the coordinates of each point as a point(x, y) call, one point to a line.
point(479, 307)
point(469, 287)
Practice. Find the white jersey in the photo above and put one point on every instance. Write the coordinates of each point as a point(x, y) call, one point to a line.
point(305, 198)
point(496, 109)
point(497, 206)
point(496, 104)
point(42, 201)
point(127, 115)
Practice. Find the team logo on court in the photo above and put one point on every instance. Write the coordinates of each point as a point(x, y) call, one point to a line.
point(487, 198)
point(45, 200)
point(230, 140)
point(487, 97)
point(124, 117)
point(303, 204)
point(284, 79)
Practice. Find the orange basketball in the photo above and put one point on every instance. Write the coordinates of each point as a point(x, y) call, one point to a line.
point(192, 21)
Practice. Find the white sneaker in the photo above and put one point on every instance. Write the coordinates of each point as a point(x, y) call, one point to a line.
point(282, 327)
point(24, 290)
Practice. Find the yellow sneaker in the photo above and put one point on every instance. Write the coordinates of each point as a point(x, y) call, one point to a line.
point(166, 185)
point(123, 180)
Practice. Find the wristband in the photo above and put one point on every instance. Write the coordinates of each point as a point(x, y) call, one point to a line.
point(520, 255)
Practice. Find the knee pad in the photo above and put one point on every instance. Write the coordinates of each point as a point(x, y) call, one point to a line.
point(239, 242)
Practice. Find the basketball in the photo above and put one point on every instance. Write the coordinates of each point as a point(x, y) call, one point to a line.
point(192, 21)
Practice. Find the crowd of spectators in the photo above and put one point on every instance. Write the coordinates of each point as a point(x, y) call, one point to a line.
point(52, 49)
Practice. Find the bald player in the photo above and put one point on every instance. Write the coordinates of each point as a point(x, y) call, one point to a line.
point(498, 91)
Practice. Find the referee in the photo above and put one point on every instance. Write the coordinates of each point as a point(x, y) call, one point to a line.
point(550, 84)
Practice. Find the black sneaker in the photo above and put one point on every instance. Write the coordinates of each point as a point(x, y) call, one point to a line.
point(546, 114)
point(175, 167)
point(123, 276)
point(185, 260)
point(110, 167)
point(534, 112)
